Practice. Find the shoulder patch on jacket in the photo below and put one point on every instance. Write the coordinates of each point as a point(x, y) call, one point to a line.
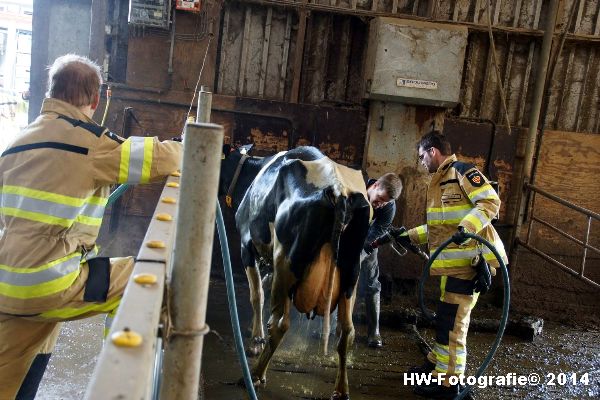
point(97, 130)
point(462, 167)
point(475, 178)
point(114, 137)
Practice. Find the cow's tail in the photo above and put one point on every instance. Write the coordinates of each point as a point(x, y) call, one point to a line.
point(338, 226)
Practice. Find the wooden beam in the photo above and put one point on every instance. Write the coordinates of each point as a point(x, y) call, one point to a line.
point(223, 54)
point(286, 50)
point(265, 53)
point(298, 55)
point(245, 46)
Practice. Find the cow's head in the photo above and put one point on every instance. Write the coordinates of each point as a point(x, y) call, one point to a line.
point(230, 159)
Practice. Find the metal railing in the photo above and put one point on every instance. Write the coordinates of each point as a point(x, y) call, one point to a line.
point(583, 243)
point(128, 372)
point(177, 245)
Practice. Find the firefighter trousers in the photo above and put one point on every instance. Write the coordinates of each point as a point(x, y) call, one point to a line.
point(452, 324)
point(26, 342)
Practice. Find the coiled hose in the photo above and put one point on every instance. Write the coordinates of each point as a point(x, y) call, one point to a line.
point(505, 306)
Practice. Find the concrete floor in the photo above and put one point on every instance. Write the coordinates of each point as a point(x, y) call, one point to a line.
point(300, 371)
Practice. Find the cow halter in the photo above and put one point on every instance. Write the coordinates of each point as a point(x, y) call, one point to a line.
point(236, 175)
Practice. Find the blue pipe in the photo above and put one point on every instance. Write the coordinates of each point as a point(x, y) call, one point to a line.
point(235, 323)
point(505, 306)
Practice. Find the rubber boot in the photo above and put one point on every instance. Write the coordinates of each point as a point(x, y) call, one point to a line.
point(372, 310)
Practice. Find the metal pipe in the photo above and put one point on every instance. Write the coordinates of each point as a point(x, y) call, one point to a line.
point(557, 263)
point(191, 261)
point(586, 244)
point(564, 202)
point(204, 105)
point(565, 234)
point(533, 217)
point(533, 124)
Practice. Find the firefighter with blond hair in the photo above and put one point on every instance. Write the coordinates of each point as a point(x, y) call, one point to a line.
point(55, 183)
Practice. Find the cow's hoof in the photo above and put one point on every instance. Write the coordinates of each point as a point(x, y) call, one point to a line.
point(256, 381)
point(339, 396)
point(256, 346)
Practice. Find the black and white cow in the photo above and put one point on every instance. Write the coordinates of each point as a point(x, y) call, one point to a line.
point(308, 217)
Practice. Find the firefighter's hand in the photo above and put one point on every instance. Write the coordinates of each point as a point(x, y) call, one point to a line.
point(483, 280)
point(368, 248)
point(460, 236)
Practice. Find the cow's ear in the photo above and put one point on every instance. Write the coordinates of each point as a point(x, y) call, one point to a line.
point(226, 150)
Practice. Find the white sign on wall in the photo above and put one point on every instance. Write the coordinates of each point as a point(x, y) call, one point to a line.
point(416, 83)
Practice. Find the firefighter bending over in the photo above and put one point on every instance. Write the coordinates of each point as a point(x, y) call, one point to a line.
point(55, 182)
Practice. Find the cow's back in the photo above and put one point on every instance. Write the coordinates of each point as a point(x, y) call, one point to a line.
point(306, 199)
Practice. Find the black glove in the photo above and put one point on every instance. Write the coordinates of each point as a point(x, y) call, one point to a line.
point(403, 241)
point(483, 280)
point(459, 237)
point(368, 248)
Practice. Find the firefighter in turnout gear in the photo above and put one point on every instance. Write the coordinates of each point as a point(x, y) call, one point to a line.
point(55, 182)
point(459, 199)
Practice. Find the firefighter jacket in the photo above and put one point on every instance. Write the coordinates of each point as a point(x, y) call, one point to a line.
point(459, 195)
point(54, 186)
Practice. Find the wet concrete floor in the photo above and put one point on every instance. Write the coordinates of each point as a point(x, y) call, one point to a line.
point(299, 370)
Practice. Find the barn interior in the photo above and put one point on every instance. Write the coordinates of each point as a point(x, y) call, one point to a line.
point(513, 84)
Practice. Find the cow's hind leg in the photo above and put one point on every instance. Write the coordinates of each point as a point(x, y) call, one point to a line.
point(347, 337)
point(278, 324)
point(257, 342)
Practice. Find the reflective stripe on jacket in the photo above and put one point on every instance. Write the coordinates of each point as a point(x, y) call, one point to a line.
point(54, 185)
point(459, 195)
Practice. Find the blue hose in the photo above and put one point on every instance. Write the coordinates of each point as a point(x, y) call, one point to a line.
point(235, 323)
point(117, 193)
point(505, 305)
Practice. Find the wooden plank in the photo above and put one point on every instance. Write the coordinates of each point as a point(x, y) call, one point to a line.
point(488, 76)
point(497, 6)
point(394, 6)
point(563, 90)
point(589, 62)
point(223, 54)
point(476, 11)
point(455, 11)
point(584, 87)
point(523, 99)
point(568, 72)
point(343, 64)
point(560, 151)
point(509, 61)
point(245, 46)
point(374, 4)
point(298, 55)
point(415, 8)
point(353, 4)
point(265, 53)
point(284, 61)
point(597, 24)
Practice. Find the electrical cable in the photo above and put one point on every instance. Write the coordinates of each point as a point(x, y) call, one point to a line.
point(505, 306)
